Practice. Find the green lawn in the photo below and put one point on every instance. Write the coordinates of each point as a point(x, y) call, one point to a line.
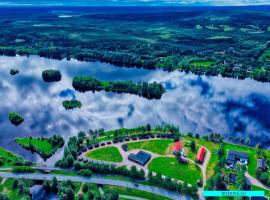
point(137, 193)
point(110, 154)
point(172, 168)
point(8, 158)
point(203, 63)
point(40, 145)
point(256, 188)
point(155, 146)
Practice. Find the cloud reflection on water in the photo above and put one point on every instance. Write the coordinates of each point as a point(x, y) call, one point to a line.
point(198, 104)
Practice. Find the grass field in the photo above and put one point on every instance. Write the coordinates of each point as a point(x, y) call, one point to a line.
point(110, 154)
point(256, 188)
point(40, 146)
point(172, 168)
point(136, 193)
point(8, 158)
point(156, 146)
point(203, 63)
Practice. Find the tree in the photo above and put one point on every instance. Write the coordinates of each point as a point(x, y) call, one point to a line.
point(3, 196)
point(148, 127)
point(54, 184)
point(15, 184)
point(85, 187)
point(190, 134)
point(259, 146)
point(46, 185)
point(193, 146)
point(142, 174)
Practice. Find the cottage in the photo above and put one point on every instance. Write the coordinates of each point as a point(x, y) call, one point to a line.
point(261, 164)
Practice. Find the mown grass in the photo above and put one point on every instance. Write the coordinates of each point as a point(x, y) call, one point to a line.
point(110, 154)
point(203, 63)
point(172, 168)
point(256, 188)
point(155, 146)
point(137, 193)
point(40, 145)
point(8, 158)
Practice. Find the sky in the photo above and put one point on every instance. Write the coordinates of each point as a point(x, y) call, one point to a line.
point(137, 2)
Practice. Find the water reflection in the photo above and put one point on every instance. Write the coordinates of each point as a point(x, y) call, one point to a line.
point(39, 193)
point(195, 103)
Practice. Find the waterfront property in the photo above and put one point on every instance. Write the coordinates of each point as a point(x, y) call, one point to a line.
point(234, 156)
point(140, 158)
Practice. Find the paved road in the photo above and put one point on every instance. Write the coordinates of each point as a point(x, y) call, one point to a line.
point(96, 180)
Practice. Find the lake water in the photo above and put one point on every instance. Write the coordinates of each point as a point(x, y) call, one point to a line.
point(195, 103)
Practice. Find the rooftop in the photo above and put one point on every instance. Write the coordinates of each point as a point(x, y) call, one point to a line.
point(140, 158)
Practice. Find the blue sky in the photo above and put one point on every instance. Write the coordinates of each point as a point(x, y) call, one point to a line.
point(137, 2)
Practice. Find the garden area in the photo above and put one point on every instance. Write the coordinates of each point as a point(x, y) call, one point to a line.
point(109, 154)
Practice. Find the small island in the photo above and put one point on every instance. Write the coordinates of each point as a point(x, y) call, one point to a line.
point(51, 75)
point(15, 118)
point(71, 104)
point(45, 147)
point(147, 90)
point(14, 71)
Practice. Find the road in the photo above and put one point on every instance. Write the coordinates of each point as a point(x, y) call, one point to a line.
point(96, 180)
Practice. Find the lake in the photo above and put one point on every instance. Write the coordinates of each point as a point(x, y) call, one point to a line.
point(237, 108)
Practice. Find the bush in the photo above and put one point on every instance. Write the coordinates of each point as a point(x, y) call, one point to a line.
point(22, 169)
point(85, 172)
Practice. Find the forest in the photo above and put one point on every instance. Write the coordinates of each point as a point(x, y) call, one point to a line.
point(147, 90)
point(203, 41)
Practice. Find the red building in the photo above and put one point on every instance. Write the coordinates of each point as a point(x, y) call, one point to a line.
point(200, 155)
point(177, 147)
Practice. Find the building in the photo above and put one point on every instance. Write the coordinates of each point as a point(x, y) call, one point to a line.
point(261, 164)
point(235, 156)
point(140, 158)
point(200, 155)
point(177, 147)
